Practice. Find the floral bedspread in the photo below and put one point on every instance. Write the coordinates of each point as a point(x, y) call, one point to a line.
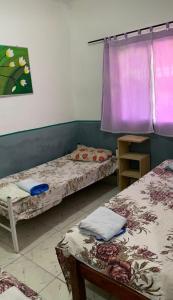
point(64, 177)
point(7, 281)
point(142, 258)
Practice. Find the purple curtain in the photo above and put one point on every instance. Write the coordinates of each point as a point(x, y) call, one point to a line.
point(127, 92)
point(163, 84)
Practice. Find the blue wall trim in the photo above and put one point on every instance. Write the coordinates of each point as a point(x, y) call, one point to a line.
point(48, 126)
point(25, 149)
point(38, 128)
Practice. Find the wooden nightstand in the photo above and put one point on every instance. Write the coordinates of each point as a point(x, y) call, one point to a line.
point(127, 174)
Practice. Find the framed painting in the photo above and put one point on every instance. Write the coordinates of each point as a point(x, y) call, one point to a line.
point(15, 75)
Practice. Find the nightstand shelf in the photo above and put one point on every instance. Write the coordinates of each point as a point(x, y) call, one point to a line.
point(131, 173)
point(133, 156)
point(126, 173)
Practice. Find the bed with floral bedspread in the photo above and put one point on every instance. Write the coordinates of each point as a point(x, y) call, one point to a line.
point(142, 258)
point(7, 281)
point(64, 177)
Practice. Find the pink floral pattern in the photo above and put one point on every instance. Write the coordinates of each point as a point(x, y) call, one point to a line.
point(7, 281)
point(159, 194)
point(128, 265)
point(64, 177)
point(136, 216)
point(144, 253)
point(161, 172)
point(105, 251)
point(142, 258)
point(120, 271)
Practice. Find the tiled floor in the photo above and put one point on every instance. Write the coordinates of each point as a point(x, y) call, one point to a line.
point(36, 265)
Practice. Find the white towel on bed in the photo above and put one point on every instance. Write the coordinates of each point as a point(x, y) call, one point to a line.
point(13, 293)
point(12, 191)
point(32, 186)
point(103, 223)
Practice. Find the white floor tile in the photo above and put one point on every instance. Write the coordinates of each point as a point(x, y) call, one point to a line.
point(45, 256)
point(99, 200)
point(37, 264)
point(29, 273)
point(63, 214)
point(7, 255)
point(70, 221)
point(61, 277)
point(56, 290)
point(30, 233)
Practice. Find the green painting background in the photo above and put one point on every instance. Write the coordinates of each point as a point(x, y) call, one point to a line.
point(15, 74)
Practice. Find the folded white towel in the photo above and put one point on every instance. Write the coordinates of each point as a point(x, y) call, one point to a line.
point(27, 184)
point(13, 293)
point(103, 223)
point(32, 186)
point(12, 191)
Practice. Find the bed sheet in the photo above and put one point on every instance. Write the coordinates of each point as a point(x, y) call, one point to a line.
point(142, 258)
point(64, 177)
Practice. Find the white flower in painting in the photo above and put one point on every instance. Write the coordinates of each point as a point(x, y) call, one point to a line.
point(12, 64)
point(9, 53)
point(13, 88)
point(26, 70)
point(22, 61)
point(23, 82)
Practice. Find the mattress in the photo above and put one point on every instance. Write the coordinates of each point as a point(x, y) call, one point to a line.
point(142, 258)
point(64, 177)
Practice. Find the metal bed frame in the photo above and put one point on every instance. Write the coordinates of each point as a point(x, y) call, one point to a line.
point(12, 220)
point(8, 206)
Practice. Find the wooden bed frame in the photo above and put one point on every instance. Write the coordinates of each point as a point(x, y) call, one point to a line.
point(79, 272)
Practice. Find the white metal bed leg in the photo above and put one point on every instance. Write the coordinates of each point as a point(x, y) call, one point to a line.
point(13, 226)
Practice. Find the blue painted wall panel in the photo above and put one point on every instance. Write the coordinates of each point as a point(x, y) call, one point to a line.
point(23, 150)
point(160, 148)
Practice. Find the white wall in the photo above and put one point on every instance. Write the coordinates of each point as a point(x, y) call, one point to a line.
point(92, 19)
point(56, 33)
point(42, 26)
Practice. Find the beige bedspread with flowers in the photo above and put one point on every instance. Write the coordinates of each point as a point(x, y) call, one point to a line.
point(64, 177)
point(142, 258)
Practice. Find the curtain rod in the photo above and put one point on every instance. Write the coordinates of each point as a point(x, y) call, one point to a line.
point(132, 31)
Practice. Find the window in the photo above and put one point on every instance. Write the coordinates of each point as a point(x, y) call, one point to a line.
point(163, 85)
point(138, 85)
